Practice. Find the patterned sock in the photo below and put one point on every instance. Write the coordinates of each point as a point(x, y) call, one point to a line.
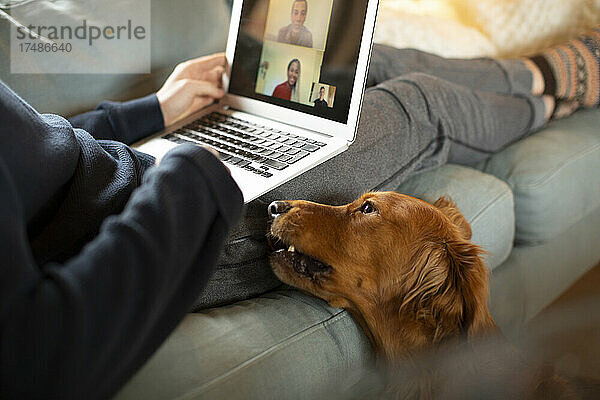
point(564, 108)
point(572, 72)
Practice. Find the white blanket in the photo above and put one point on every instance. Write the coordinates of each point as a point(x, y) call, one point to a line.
point(472, 28)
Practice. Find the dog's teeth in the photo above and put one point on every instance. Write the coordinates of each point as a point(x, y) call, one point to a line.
point(291, 248)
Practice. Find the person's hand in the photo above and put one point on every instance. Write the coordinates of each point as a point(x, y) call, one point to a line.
point(192, 85)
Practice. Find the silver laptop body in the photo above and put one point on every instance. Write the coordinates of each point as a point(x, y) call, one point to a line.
point(263, 136)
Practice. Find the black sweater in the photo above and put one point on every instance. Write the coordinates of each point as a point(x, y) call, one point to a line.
point(101, 254)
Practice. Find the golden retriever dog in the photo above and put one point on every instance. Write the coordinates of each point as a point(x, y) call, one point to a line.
point(408, 273)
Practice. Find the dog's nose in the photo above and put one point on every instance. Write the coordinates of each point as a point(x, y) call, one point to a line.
point(277, 208)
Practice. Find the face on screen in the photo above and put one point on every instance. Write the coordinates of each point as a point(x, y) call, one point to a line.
point(299, 9)
point(292, 53)
point(293, 73)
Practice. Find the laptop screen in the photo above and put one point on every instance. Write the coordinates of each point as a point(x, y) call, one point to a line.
point(299, 54)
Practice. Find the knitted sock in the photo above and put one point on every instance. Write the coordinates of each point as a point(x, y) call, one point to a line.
point(572, 72)
point(564, 108)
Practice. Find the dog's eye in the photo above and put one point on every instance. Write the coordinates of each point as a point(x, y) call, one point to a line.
point(367, 208)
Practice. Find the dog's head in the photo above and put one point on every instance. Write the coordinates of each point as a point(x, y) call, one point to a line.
point(404, 268)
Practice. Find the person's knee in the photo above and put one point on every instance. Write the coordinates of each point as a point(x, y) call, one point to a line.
point(415, 89)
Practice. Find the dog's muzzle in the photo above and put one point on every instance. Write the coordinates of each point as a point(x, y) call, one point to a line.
point(284, 253)
point(277, 208)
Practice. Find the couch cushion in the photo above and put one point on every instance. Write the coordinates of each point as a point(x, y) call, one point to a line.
point(180, 30)
point(554, 175)
point(534, 276)
point(282, 345)
point(485, 201)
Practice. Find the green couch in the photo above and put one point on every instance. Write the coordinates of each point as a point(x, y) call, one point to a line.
point(535, 207)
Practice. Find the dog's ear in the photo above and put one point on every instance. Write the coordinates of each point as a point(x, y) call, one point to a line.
point(447, 290)
point(471, 278)
point(447, 206)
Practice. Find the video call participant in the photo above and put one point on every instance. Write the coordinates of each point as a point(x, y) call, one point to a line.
point(296, 33)
point(321, 102)
point(288, 90)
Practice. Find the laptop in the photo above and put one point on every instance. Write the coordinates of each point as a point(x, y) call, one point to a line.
point(297, 71)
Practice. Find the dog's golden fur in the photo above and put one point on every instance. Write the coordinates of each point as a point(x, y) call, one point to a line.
point(405, 269)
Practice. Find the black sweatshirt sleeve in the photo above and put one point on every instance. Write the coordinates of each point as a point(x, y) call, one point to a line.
point(82, 328)
point(125, 122)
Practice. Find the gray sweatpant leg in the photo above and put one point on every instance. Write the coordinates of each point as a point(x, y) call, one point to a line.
point(483, 74)
point(421, 112)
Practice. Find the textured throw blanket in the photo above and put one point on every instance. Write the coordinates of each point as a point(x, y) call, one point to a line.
point(474, 28)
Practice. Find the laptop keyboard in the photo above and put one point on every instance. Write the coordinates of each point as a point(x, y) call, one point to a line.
point(240, 142)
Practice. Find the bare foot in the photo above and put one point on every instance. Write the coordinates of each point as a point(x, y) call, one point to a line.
point(538, 85)
point(550, 103)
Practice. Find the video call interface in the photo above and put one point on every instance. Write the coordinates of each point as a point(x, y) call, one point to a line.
point(299, 54)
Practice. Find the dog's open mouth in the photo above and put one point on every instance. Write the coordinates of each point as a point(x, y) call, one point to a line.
point(286, 254)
